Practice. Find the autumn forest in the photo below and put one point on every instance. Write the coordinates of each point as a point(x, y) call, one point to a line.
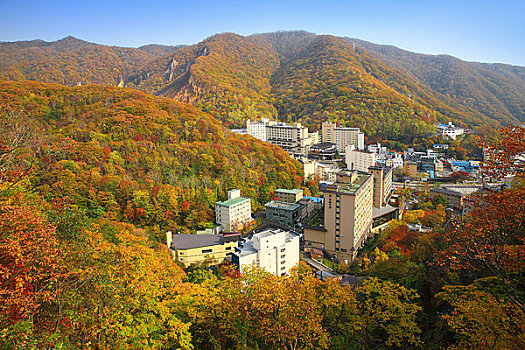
point(104, 149)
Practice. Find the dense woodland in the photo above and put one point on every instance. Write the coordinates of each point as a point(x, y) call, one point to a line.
point(91, 177)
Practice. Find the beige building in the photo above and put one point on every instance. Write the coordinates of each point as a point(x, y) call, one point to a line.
point(274, 250)
point(235, 213)
point(196, 249)
point(258, 129)
point(359, 160)
point(342, 137)
point(410, 168)
point(293, 138)
point(348, 207)
point(290, 196)
point(383, 177)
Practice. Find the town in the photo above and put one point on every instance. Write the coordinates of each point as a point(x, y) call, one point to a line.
point(361, 190)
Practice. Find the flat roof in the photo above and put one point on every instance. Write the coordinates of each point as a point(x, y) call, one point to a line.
point(231, 202)
point(183, 241)
point(377, 212)
point(348, 188)
point(282, 205)
point(293, 191)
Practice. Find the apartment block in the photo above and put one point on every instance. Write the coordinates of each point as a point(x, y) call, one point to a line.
point(348, 207)
point(234, 213)
point(343, 137)
point(291, 196)
point(274, 250)
point(196, 249)
point(359, 160)
point(293, 138)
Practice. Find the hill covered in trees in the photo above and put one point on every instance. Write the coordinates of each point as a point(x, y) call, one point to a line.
point(290, 75)
point(120, 154)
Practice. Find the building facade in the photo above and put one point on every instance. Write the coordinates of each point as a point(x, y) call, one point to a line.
point(383, 185)
point(258, 129)
point(274, 250)
point(348, 209)
point(235, 213)
point(342, 137)
point(283, 213)
point(290, 196)
point(359, 160)
point(449, 131)
point(197, 249)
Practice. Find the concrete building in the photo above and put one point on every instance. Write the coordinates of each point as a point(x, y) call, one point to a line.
point(283, 213)
point(274, 250)
point(258, 129)
point(291, 196)
point(383, 178)
point(348, 209)
point(323, 150)
point(235, 213)
point(342, 137)
point(359, 160)
point(196, 249)
point(410, 168)
point(455, 195)
point(294, 138)
point(449, 131)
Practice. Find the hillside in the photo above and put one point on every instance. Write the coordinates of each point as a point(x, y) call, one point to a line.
point(291, 76)
point(495, 90)
point(328, 79)
point(226, 75)
point(123, 155)
point(71, 61)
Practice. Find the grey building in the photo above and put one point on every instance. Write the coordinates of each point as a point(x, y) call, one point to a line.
point(283, 213)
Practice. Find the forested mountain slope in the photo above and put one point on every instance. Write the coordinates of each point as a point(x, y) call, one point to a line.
point(124, 155)
point(495, 90)
point(71, 61)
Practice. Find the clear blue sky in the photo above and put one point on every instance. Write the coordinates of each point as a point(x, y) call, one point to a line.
point(486, 31)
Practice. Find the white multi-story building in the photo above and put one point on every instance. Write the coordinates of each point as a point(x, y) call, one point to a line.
point(449, 131)
point(293, 138)
point(343, 137)
point(359, 160)
point(234, 213)
point(258, 129)
point(273, 250)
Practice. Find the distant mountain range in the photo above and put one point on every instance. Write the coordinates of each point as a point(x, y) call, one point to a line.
point(388, 92)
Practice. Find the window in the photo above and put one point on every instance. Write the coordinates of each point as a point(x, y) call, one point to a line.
point(207, 251)
point(181, 253)
point(181, 259)
point(228, 248)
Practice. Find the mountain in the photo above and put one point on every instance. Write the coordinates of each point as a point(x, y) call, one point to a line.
point(121, 154)
point(227, 75)
point(72, 61)
point(390, 93)
point(494, 90)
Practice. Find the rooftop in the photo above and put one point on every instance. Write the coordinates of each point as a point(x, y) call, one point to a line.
point(232, 202)
point(247, 247)
point(183, 241)
point(456, 190)
point(294, 191)
point(348, 188)
point(282, 205)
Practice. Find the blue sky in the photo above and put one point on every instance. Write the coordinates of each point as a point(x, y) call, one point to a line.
point(486, 31)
